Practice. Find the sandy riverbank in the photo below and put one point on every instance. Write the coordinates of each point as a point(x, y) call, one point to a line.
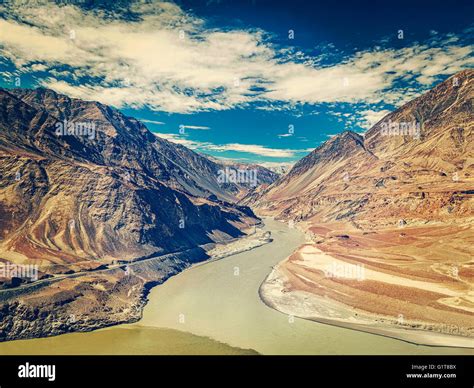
point(309, 299)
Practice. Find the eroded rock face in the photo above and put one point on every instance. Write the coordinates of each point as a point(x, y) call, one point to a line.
point(415, 164)
point(80, 202)
point(121, 193)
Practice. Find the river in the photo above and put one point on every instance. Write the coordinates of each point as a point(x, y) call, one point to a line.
point(214, 308)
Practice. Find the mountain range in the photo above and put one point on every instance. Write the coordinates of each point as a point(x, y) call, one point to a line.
point(85, 189)
point(389, 220)
point(118, 192)
point(420, 169)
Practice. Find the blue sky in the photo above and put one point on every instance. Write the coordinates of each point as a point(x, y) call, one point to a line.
point(248, 80)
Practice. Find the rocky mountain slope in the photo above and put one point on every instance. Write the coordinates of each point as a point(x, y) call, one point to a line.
point(181, 167)
point(90, 197)
point(118, 192)
point(416, 164)
point(389, 219)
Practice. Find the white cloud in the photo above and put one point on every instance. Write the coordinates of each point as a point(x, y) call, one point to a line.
point(371, 117)
point(235, 147)
point(152, 122)
point(191, 144)
point(201, 128)
point(168, 60)
point(254, 149)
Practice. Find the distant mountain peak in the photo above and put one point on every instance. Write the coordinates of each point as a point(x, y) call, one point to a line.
point(412, 163)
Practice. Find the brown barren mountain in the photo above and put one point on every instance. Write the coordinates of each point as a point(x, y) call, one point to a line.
point(89, 202)
point(70, 198)
point(390, 222)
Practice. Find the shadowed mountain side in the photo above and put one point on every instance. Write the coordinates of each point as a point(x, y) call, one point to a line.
point(113, 195)
point(104, 209)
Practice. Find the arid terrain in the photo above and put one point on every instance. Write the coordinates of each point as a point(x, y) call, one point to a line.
point(389, 218)
point(81, 207)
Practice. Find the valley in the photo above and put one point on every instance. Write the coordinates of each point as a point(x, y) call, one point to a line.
point(369, 232)
point(101, 217)
point(218, 302)
point(397, 206)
